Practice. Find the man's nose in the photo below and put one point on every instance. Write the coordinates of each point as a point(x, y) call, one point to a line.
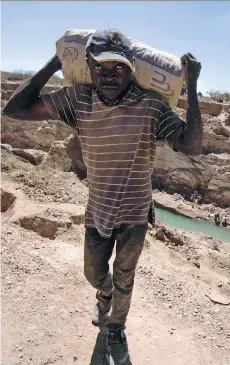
point(109, 77)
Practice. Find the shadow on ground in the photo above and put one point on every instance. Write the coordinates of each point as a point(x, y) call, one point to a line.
point(99, 351)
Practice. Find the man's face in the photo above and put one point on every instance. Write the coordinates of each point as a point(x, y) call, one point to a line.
point(110, 78)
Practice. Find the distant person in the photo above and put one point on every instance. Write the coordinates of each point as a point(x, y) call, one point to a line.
point(217, 219)
point(224, 221)
point(198, 199)
point(118, 124)
point(193, 196)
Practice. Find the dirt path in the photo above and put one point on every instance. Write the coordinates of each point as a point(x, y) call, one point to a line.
point(47, 303)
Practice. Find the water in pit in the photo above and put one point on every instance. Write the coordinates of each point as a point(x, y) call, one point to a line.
point(179, 221)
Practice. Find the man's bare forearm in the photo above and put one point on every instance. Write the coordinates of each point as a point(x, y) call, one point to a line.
point(28, 92)
point(190, 142)
point(194, 127)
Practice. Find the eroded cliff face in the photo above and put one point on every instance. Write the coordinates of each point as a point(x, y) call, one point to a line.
point(208, 173)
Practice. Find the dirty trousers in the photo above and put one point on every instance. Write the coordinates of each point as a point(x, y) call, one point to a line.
point(98, 251)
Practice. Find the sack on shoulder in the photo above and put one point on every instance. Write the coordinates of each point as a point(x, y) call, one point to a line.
point(155, 70)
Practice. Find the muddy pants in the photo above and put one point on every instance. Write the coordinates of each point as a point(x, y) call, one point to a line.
point(98, 250)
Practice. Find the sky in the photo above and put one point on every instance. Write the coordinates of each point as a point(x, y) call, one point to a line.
point(30, 30)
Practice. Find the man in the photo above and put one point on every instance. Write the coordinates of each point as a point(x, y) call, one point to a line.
point(118, 124)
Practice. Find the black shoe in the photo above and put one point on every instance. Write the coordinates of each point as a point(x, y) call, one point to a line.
point(117, 348)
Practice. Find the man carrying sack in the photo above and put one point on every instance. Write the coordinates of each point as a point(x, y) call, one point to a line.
point(118, 124)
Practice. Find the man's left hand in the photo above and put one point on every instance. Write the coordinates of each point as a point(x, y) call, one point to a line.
point(192, 67)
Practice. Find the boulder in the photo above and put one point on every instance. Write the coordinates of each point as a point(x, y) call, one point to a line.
point(213, 143)
point(33, 156)
point(218, 188)
point(7, 200)
point(51, 222)
point(177, 172)
point(6, 147)
point(51, 131)
point(38, 135)
point(45, 226)
point(66, 156)
point(57, 157)
point(209, 174)
point(159, 235)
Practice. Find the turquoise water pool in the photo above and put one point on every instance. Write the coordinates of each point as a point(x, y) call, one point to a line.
point(179, 221)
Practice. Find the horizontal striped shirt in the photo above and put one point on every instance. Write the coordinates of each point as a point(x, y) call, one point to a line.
point(118, 147)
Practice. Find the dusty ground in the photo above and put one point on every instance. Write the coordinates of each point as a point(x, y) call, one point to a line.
point(47, 303)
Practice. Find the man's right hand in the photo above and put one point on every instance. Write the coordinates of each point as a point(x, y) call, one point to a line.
point(192, 67)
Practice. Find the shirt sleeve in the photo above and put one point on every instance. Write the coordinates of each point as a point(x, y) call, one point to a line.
point(60, 106)
point(169, 126)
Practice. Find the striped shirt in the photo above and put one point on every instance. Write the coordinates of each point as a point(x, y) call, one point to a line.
point(118, 147)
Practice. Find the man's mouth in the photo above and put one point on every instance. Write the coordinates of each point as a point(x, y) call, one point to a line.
point(110, 87)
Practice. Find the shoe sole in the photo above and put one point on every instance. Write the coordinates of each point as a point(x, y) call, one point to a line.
point(109, 360)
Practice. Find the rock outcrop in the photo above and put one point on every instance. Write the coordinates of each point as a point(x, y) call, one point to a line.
point(209, 173)
point(66, 156)
point(207, 107)
point(32, 134)
point(33, 156)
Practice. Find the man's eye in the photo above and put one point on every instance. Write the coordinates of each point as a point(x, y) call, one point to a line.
point(120, 66)
point(97, 66)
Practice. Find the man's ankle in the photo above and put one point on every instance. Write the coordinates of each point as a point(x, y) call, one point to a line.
point(113, 327)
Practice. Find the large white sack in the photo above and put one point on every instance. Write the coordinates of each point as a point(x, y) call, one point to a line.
point(155, 70)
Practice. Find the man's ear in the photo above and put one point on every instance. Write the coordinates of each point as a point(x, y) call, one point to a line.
point(134, 61)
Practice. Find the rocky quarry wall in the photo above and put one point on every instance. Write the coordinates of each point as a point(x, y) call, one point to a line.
point(52, 144)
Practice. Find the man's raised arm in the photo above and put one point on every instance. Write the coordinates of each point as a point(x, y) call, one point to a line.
point(181, 136)
point(190, 141)
point(26, 103)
